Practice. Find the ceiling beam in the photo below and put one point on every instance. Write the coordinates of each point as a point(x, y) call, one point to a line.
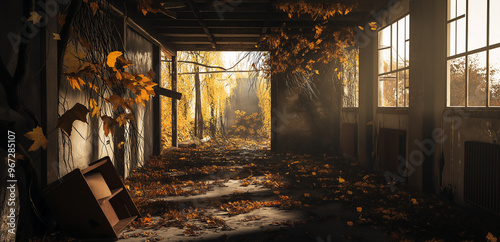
point(250, 16)
point(201, 21)
point(220, 47)
point(217, 40)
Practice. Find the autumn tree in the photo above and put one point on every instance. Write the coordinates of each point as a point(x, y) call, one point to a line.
point(475, 74)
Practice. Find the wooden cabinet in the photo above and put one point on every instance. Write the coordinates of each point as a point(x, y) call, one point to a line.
point(91, 203)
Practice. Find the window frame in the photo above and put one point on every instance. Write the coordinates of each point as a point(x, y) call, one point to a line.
point(405, 69)
point(467, 53)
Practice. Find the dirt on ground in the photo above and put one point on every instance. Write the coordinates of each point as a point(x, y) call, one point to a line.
point(237, 190)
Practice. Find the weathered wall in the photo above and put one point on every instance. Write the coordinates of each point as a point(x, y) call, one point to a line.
point(435, 134)
point(140, 51)
point(304, 123)
point(87, 142)
point(461, 126)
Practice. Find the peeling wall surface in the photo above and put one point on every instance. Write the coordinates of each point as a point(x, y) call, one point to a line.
point(88, 143)
point(140, 51)
point(457, 130)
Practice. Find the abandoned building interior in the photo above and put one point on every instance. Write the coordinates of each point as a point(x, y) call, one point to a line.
point(422, 107)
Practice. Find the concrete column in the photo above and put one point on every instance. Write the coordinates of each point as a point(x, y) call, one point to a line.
point(427, 90)
point(367, 43)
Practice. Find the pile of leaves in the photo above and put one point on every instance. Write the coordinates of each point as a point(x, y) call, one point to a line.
point(297, 181)
point(402, 214)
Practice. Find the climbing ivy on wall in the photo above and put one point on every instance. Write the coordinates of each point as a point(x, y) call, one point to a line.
point(110, 91)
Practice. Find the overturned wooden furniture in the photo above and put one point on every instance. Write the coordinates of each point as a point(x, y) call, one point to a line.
point(91, 203)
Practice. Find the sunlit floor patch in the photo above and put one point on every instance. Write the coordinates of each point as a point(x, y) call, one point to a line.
point(237, 191)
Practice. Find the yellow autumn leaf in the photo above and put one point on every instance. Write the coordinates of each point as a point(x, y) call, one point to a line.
point(34, 17)
point(350, 223)
point(341, 180)
point(17, 157)
point(39, 139)
point(73, 58)
point(414, 201)
point(93, 87)
point(359, 209)
point(111, 60)
point(361, 28)
point(120, 145)
point(76, 82)
point(373, 25)
point(491, 238)
point(96, 111)
point(92, 103)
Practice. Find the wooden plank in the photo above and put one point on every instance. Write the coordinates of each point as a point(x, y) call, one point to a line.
point(220, 47)
point(122, 224)
point(167, 93)
point(114, 192)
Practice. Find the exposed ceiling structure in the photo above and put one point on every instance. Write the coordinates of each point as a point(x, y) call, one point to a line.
point(232, 25)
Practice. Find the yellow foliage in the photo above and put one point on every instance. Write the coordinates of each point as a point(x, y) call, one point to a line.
point(111, 59)
point(39, 139)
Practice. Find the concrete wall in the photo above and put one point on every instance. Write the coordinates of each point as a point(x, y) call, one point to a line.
point(305, 123)
point(140, 51)
point(435, 134)
point(87, 142)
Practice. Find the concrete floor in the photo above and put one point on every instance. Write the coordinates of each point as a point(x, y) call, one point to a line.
point(326, 222)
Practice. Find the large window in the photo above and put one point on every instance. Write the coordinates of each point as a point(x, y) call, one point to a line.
point(393, 64)
point(350, 78)
point(473, 53)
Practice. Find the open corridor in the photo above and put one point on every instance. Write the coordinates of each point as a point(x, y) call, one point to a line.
point(240, 191)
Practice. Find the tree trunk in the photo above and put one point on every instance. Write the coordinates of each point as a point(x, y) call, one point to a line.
point(213, 121)
point(198, 120)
